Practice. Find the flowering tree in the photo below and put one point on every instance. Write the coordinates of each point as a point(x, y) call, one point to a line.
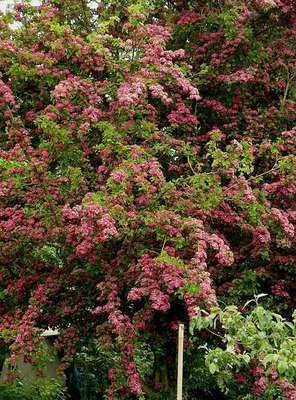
point(147, 166)
point(245, 70)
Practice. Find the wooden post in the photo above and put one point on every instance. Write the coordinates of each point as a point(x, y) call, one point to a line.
point(180, 362)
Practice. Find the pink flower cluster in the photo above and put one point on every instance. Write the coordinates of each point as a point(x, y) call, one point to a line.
point(240, 76)
point(288, 389)
point(157, 33)
point(11, 218)
point(118, 176)
point(204, 239)
point(131, 93)
point(188, 17)
point(281, 218)
point(6, 95)
point(74, 85)
point(185, 85)
point(157, 281)
point(87, 227)
point(260, 386)
point(261, 239)
point(28, 335)
point(279, 289)
point(158, 92)
point(215, 105)
point(182, 116)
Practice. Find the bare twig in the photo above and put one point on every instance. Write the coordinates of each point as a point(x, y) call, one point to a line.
point(289, 80)
point(190, 165)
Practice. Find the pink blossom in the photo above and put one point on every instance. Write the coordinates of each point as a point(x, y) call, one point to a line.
point(260, 386)
point(188, 17)
point(281, 218)
point(135, 294)
point(118, 176)
point(158, 92)
point(6, 96)
point(159, 301)
point(182, 116)
point(131, 93)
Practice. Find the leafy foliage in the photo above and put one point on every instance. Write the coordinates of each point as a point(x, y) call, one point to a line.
point(256, 355)
point(43, 389)
point(147, 154)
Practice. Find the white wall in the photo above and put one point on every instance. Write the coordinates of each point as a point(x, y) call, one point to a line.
point(5, 3)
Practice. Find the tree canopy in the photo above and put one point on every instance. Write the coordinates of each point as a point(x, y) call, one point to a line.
point(147, 154)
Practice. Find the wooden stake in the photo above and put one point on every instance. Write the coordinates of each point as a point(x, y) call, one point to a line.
point(180, 362)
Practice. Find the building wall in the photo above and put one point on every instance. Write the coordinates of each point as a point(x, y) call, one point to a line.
point(27, 372)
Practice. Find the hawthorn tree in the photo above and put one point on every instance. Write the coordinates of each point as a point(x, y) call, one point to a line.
point(147, 156)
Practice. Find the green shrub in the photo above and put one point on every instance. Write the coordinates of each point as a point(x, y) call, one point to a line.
point(256, 353)
point(41, 389)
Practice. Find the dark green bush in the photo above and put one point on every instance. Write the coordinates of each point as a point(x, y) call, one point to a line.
point(40, 389)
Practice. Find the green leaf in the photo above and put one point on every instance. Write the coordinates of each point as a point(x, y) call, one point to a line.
point(213, 368)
